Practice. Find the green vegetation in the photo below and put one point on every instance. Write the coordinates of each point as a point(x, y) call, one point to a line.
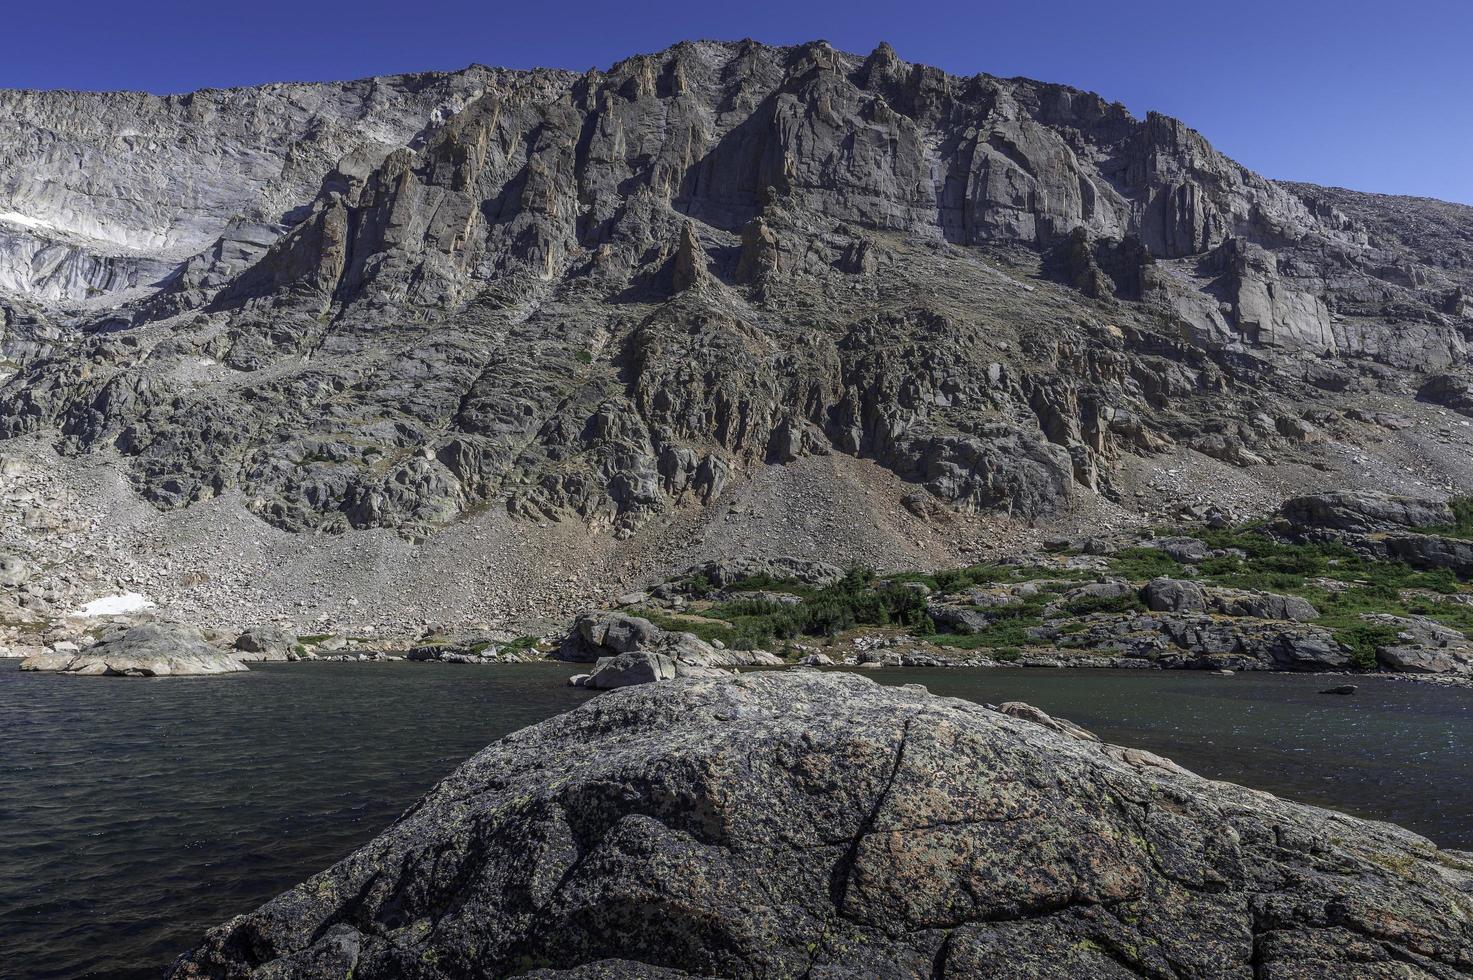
point(1138, 564)
point(858, 599)
point(1462, 525)
point(1362, 639)
point(1086, 605)
point(1342, 585)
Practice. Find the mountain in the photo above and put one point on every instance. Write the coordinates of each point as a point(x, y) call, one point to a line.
point(575, 329)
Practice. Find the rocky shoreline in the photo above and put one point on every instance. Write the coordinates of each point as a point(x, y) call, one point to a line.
point(820, 825)
point(1369, 583)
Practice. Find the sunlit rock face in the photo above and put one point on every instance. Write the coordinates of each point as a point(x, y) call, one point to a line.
point(610, 295)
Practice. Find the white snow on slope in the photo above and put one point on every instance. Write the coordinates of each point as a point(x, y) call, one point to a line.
point(116, 605)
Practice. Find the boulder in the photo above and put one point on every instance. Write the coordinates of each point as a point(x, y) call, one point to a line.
point(961, 619)
point(605, 633)
point(683, 671)
point(1362, 511)
point(600, 634)
point(1422, 646)
point(14, 572)
point(1027, 712)
point(820, 825)
point(1425, 551)
point(149, 650)
point(1261, 605)
point(1174, 595)
point(1450, 391)
point(1302, 648)
point(631, 668)
point(1188, 551)
point(264, 643)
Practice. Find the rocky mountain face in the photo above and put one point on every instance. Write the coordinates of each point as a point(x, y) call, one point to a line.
point(820, 825)
point(612, 296)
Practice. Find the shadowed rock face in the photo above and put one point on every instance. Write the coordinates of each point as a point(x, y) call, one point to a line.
point(602, 295)
point(823, 826)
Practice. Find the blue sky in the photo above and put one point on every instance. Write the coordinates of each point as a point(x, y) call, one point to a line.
point(1374, 96)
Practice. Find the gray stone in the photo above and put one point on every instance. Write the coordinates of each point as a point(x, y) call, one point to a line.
point(1184, 550)
point(819, 824)
point(14, 572)
point(264, 643)
point(149, 650)
point(1174, 595)
point(631, 668)
point(1363, 511)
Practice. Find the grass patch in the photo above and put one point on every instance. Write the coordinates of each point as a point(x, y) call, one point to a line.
point(1010, 633)
point(1143, 563)
point(857, 599)
point(1086, 605)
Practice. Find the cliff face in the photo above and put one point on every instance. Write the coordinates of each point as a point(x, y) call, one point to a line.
point(102, 192)
point(600, 296)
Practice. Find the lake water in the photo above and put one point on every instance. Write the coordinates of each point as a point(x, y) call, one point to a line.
point(134, 814)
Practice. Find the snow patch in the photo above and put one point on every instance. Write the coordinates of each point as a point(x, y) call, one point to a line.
point(25, 221)
point(116, 605)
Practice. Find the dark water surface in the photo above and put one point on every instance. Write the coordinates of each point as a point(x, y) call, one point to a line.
point(134, 814)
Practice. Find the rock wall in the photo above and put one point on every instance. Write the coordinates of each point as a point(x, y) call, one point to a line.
point(607, 295)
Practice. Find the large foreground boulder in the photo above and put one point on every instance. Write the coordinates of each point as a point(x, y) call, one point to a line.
point(149, 650)
point(819, 825)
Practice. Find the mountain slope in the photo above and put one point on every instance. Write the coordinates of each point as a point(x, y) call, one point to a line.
point(621, 296)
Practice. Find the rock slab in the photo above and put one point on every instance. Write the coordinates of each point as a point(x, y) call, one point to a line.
point(821, 825)
point(149, 650)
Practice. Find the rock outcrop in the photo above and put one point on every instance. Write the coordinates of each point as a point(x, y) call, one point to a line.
point(610, 295)
point(265, 643)
point(149, 650)
point(820, 825)
point(601, 635)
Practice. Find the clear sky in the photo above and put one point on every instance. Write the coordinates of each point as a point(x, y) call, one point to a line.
point(1376, 96)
